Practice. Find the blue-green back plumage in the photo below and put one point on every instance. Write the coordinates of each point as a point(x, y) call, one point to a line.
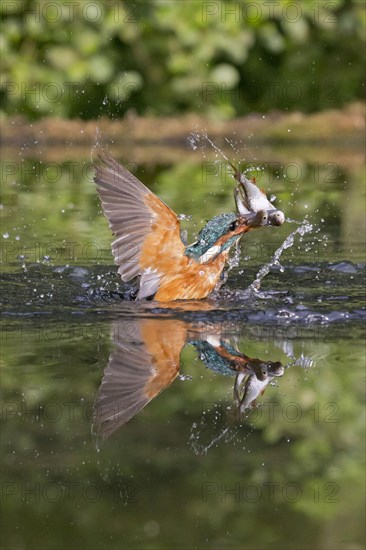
point(214, 229)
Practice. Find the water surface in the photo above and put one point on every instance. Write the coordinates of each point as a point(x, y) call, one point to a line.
point(191, 468)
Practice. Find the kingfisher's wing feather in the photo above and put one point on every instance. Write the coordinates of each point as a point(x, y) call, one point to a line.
point(149, 283)
point(135, 215)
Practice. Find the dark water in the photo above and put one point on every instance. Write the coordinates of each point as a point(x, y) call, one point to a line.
point(257, 437)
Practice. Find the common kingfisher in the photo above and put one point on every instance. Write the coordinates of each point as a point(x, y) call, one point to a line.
point(148, 245)
point(146, 360)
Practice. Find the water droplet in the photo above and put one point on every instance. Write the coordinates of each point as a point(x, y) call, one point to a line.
point(184, 377)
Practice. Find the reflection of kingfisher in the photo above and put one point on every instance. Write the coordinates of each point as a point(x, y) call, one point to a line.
point(146, 360)
point(252, 375)
point(148, 243)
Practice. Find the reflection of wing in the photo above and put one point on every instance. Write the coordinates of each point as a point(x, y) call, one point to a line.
point(137, 371)
point(145, 227)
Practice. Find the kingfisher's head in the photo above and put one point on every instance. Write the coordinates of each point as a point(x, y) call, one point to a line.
point(220, 233)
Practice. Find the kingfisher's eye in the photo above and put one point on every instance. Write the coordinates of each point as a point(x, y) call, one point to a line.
point(232, 226)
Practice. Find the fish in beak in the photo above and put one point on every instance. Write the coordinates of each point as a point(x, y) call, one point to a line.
point(262, 218)
point(250, 199)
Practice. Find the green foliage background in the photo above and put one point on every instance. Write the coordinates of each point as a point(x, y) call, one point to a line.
point(221, 59)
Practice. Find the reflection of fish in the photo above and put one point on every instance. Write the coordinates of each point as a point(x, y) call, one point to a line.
point(248, 387)
point(148, 245)
point(249, 198)
point(146, 361)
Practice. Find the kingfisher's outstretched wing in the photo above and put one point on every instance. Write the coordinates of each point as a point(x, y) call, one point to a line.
point(146, 229)
point(145, 361)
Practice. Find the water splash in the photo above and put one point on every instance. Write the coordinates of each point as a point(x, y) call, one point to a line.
point(196, 140)
point(230, 142)
point(306, 227)
point(193, 140)
point(217, 149)
point(224, 433)
point(97, 143)
point(221, 426)
point(234, 260)
point(201, 139)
